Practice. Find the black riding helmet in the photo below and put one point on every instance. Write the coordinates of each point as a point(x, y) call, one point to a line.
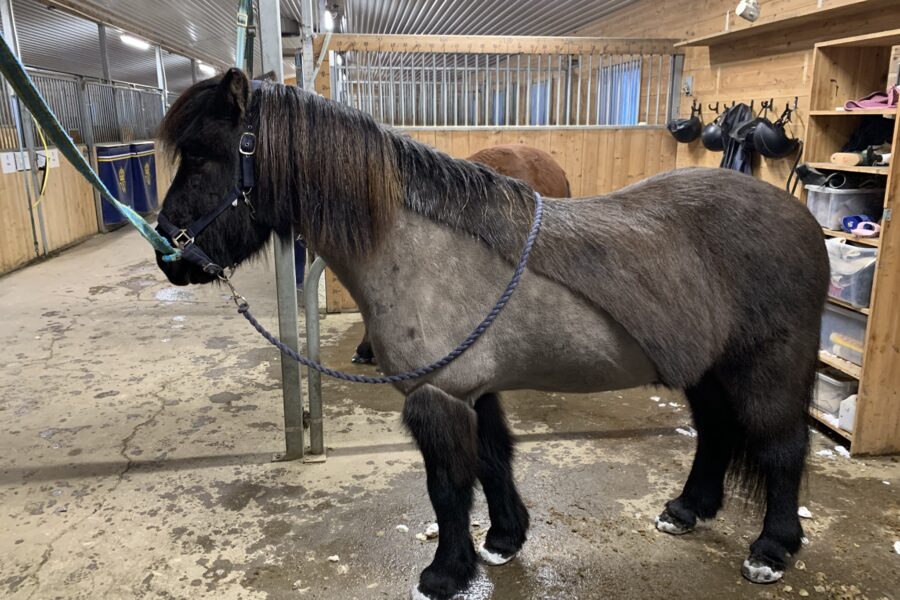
point(713, 137)
point(771, 140)
point(687, 130)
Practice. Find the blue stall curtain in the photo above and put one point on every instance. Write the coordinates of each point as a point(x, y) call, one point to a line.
point(619, 94)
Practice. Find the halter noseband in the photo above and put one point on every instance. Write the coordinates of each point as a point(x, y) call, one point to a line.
point(245, 181)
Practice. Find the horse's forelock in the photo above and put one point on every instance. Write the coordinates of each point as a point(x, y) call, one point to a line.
point(180, 123)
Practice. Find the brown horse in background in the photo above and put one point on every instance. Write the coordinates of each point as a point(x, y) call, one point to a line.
point(534, 167)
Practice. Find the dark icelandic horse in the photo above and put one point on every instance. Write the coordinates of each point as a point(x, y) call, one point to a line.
point(702, 280)
point(534, 167)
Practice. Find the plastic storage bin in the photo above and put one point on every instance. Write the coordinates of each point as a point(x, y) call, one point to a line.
point(847, 414)
point(852, 272)
point(843, 333)
point(832, 387)
point(143, 176)
point(829, 205)
point(114, 168)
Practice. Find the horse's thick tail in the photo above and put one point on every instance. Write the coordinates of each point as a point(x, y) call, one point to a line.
point(770, 430)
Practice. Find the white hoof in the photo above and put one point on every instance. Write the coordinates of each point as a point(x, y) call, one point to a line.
point(671, 528)
point(492, 558)
point(415, 594)
point(757, 572)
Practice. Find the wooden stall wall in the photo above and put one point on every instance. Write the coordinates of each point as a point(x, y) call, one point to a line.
point(16, 237)
point(773, 65)
point(67, 207)
point(586, 155)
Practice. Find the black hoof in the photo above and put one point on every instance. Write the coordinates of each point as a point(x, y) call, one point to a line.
point(362, 360)
point(669, 522)
point(435, 585)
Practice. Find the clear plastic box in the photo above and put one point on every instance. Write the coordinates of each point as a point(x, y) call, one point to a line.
point(852, 272)
point(843, 333)
point(832, 387)
point(829, 205)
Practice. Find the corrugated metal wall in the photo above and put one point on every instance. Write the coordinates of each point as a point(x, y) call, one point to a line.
point(57, 41)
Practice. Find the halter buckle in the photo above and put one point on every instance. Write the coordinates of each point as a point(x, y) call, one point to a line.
point(182, 239)
point(247, 145)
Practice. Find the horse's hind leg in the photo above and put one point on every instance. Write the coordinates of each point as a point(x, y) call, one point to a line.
point(509, 517)
point(445, 430)
point(773, 390)
point(704, 490)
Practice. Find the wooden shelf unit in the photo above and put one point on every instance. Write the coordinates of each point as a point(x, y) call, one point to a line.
point(849, 236)
point(773, 23)
point(819, 416)
point(824, 166)
point(844, 70)
point(884, 112)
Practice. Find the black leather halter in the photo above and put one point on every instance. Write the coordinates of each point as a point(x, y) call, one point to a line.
point(244, 182)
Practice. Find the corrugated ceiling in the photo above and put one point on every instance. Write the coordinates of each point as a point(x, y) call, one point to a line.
point(53, 38)
point(472, 17)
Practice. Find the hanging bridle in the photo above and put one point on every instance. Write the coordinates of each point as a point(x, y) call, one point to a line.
point(244, 182)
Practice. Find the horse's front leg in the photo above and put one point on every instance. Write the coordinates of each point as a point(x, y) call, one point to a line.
point(444, 428)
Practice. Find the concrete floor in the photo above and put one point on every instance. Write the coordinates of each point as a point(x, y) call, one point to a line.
point(137, 424)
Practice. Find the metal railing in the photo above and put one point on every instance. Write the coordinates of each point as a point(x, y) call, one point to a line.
point(452, 89)
point(91, 111)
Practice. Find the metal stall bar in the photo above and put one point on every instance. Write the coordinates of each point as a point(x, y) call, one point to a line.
point(673, 96)
point(314, 378)
point(285, 274)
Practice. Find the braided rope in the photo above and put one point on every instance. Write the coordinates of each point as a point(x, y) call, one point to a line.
point(467, 343)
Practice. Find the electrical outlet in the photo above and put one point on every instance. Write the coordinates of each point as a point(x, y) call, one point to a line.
point(8, 162)
point(687, 85)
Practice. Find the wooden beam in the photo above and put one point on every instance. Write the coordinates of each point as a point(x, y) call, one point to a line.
point(484, 44)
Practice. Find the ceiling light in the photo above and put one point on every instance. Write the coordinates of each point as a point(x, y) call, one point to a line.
point(134, 42)
point(206, 69)
point(328, 21)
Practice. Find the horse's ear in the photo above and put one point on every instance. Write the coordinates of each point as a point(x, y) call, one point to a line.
point(234, 89)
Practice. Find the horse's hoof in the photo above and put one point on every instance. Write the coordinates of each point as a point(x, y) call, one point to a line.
point(416, 594)
point(493, 559)
point(756, 570)
point(669, 523)
point(360, 360)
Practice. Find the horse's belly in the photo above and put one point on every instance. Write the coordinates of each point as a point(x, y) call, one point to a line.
point(431, 286)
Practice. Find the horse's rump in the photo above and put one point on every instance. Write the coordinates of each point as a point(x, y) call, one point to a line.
point(531, 165)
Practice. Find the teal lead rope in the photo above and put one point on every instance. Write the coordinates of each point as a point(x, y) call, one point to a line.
point(31, 98)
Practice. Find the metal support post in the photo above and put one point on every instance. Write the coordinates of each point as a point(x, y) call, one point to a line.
point(285, 276)
point(25, 135)
point(314, 378)
point(311, 282)
point(161, 81)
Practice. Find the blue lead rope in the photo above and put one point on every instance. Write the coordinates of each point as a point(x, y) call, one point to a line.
point(31, 98)
point(467, 343)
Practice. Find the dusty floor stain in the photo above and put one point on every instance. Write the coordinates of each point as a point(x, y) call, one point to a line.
point(138, 422)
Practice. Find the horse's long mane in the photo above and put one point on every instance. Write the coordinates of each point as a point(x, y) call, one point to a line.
point(343, 177)
point(339, 177)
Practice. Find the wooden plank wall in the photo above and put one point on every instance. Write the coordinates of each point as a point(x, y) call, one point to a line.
point(16, 239)
point(67, 207)
point(596, 161)
point(775, 66)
